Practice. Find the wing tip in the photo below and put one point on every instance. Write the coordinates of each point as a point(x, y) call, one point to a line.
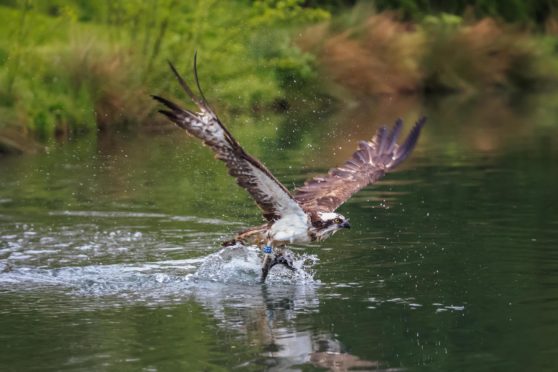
point(185, 86)
point(421, 121)
point(405, 149)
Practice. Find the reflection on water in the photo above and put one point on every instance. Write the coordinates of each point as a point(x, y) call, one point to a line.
point(224, 283)
point(110, 251)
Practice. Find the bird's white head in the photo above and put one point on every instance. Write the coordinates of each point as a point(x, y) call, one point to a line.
point(328, 224)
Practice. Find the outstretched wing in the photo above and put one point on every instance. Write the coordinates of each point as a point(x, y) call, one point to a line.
point(270, 195)
point(368, 164)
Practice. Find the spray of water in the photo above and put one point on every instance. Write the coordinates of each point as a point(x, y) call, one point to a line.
point(238, 265)
point(241, 264)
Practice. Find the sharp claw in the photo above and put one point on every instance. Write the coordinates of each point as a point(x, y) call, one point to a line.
point(278, 258)
point(285, 261)
point(288, 264)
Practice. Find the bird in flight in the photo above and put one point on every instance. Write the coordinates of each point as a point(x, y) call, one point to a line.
point(307, 214)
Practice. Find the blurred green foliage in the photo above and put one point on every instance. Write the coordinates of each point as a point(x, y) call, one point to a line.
point(73, 65)
point(70, 66)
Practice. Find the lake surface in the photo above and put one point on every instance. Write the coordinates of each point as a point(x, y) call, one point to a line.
point(110, 253)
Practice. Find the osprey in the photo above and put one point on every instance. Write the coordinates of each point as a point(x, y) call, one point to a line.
point(307, 214)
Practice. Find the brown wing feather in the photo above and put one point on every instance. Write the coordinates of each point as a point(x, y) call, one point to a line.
point(270, 195)
point(368, 164)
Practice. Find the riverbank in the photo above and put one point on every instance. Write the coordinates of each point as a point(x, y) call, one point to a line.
point(66, 71)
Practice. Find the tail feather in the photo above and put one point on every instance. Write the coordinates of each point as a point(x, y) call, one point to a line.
point(230, 243)
point(253, 235)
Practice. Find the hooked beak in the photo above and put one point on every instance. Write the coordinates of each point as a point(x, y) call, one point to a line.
point(345, 225)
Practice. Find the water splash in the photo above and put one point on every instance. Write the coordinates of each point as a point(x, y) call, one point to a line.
point(241, 264)
point(160, 279)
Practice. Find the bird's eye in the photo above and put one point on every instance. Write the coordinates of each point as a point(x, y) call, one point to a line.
point(337, 220)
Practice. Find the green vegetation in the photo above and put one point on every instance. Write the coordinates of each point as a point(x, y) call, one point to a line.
point(74, 66)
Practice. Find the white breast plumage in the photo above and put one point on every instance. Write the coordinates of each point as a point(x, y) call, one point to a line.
point(291, 228)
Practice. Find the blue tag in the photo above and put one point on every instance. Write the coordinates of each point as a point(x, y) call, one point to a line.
point(267, 249)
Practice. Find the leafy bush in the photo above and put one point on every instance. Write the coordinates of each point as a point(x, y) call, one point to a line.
point(69, 66)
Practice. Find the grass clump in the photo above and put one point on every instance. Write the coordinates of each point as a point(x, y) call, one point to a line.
point(370, 53)
point(482, 55)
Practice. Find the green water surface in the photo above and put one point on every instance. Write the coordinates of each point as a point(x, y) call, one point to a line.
point(451, 263)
